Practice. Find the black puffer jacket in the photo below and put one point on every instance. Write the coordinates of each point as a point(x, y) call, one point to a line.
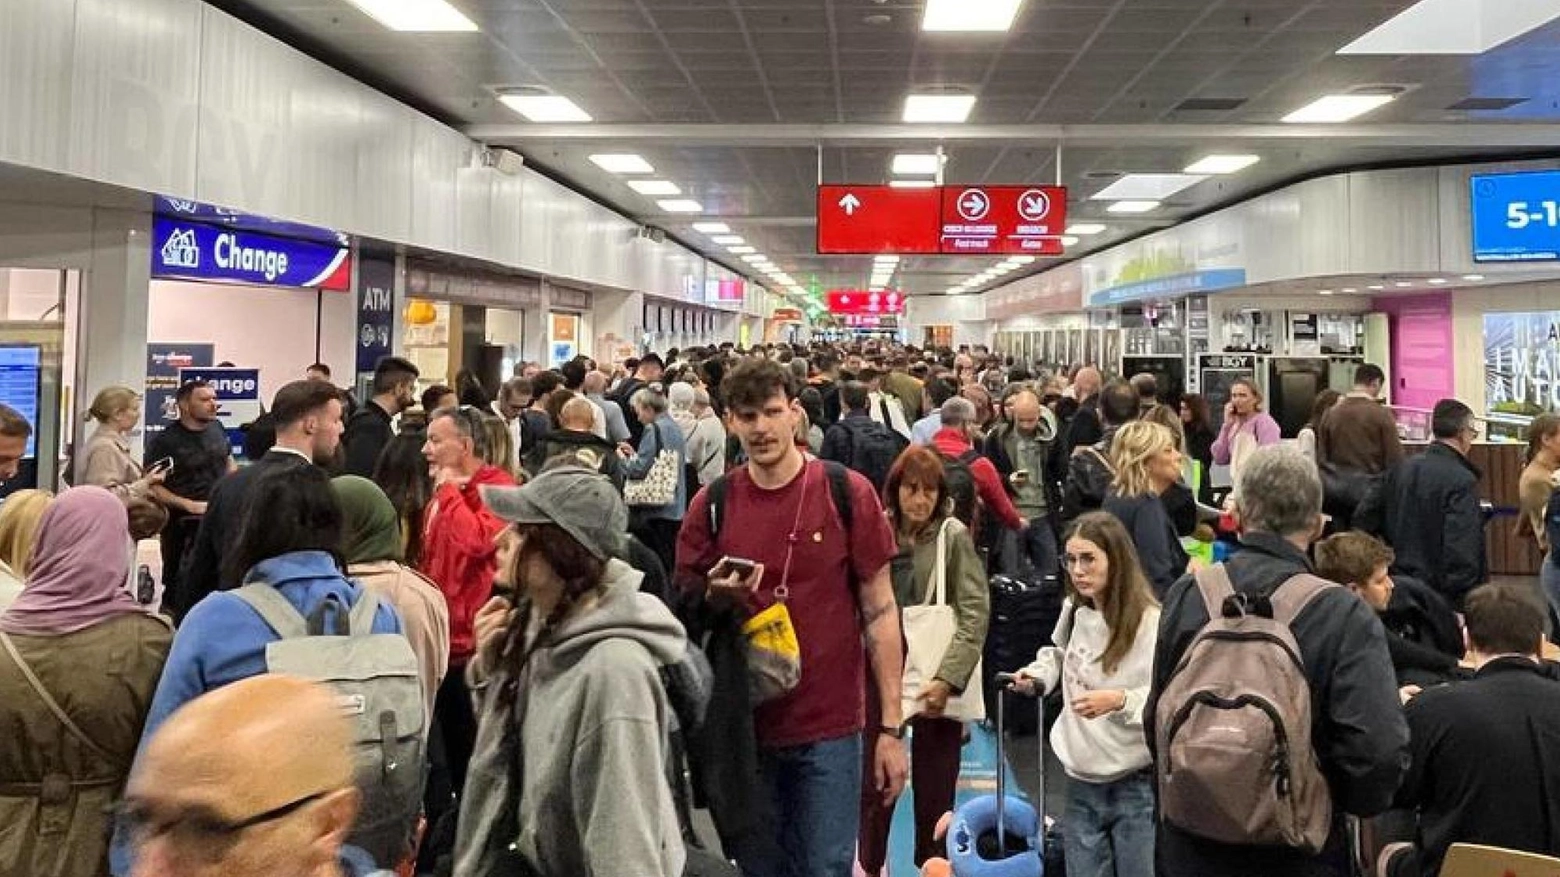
point(1088, 477)
point(586, 448)
point(1427, 509)
point(1358, 731)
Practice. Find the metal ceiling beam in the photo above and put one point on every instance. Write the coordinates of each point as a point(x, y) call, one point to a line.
point(1486, 135)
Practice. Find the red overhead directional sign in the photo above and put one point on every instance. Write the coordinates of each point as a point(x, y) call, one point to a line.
point(1003, 220)
point(860, 301)
point(878, 219)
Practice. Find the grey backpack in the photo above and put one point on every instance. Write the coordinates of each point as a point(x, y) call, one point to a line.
point(376, 678)
point(1233, 725)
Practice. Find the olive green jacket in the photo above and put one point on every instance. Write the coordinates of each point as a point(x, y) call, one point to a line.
point(966, 586)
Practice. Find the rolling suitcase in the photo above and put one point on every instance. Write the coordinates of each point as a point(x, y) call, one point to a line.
point(1024, 612)
point(1002, 836)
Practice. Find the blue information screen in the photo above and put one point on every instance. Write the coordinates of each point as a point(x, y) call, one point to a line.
point(1516, 217)
point(19, 373)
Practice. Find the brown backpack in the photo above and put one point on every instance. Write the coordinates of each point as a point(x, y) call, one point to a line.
point(1235, 762)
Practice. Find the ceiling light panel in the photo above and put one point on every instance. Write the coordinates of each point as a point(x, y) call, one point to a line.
point(1133, 207)
point(416, 15)
point(545, 107)
point(1454, 27)
point(712, 228)
point(622, 164)
point(755, 257)
point(681, 206)
point(654, 187)
point(1147, 187)
point(911, 184)
point(931, 108)
point(740, 250)
point(949, 16)
point(916, 164)
point(1223, 164)
point(1335, 108)
point(728, 240)
point(1084, 229)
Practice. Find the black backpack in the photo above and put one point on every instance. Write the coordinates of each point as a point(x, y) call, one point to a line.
point(961, 487)
point(839, 492)
point(873, 449)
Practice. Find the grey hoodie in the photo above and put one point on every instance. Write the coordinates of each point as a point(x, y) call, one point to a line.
point(594, 797)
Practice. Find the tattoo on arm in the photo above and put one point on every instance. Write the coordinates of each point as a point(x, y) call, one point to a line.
point(876, 612)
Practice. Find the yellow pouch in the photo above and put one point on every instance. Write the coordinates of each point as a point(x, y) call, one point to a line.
point(774, 656)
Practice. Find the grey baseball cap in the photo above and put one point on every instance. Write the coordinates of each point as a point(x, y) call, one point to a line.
point(584, 503)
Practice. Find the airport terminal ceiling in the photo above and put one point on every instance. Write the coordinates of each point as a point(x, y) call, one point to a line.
point(738, 104)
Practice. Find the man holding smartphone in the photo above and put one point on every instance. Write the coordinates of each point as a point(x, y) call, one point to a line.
point(784, 537)
point(197, 455)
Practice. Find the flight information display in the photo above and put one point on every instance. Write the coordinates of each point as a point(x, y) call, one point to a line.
point(1516, 217)
point(19, 386)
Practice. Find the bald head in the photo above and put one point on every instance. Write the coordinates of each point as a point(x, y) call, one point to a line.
point(595, 383)
point(238, 752)
point(578, 414)
point(1087, 382)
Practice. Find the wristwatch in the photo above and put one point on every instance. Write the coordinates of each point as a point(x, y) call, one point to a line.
point(895, 731)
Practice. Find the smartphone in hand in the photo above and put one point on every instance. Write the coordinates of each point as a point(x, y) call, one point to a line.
point(736, 574)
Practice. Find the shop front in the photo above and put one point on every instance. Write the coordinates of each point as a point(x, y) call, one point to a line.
point(257, 299)
point(461, 319)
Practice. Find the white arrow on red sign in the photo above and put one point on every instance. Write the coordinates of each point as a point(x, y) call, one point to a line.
point(850, 204)
point(1033, 205)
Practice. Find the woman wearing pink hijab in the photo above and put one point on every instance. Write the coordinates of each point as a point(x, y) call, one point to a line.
point(79, 661)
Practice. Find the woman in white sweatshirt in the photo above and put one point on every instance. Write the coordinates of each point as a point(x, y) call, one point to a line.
point(1104, 659)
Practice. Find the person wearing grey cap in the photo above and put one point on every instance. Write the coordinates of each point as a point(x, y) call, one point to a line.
point(568, 688)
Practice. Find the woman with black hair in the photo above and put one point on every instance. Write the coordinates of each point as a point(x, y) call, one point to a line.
point(572, 715)
point(470, 390)
point(402, 473)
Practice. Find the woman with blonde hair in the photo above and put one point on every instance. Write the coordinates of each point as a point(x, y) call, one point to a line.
point(1103, 660)
point(106, 461)
point(1147, 463)
point(19, 517)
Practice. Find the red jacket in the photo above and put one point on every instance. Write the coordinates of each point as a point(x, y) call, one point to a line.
point(459, 554)
point(952, 442)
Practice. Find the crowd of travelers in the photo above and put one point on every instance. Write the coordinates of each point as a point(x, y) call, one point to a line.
point(535, 631)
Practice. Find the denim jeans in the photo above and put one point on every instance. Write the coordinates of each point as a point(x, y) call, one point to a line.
point(1549, 578)
point(1039, 542)
point(815, 792)
point(1109, 828)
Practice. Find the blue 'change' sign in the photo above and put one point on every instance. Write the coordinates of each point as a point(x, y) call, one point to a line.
point(1516, 217)
point(196, 251)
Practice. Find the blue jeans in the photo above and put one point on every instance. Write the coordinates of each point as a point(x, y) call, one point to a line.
point(1549, 578)
point(1039, 543)
point(1109, 828)
point(815, 792)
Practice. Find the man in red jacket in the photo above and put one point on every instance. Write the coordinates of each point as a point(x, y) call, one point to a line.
point(953, 443)
point(460, 556)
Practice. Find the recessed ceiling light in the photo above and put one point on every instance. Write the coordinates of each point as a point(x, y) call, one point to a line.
point(681, 206)
point(1133, 207)
point(1147, 187)
point(416, 15)
point(755, 257)
point(917, 164)
point(712, 228)
point(1324, 292)
point(1084, 229)
point(1349, 289)
point(622, 164)
point(1473, 278)
point(938, 107)
point(654, 187)
point(1376, 287)
point(1070, 240)
point(891, 258)
point(970, 15)
point(1403, 284)
point(1022, 260)
point(911, 184)
point(876, 287)
point(1335, 108)
point(740, 250)
point(1223, 164)
point(1454, 27)
point(545, 107)
point(728, 240)
point(1438, 281)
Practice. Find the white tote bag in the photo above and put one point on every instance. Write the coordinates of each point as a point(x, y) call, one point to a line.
point(929, 631)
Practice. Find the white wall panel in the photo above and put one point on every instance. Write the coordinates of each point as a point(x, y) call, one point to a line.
point(504, 218)
point(35, 93)
point(474, 211)
point(1393, 221)
point(135, 87)
point(437, 154)
point(383, 182)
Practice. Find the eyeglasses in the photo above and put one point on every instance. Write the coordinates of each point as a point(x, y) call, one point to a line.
point(199, 830)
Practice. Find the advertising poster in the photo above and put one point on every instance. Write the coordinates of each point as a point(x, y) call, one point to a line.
point(238, 398)
point(163, 362)
point(376, 311)
point(1522, 363)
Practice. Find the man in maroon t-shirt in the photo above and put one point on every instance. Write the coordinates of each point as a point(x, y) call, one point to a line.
point(779, 513)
